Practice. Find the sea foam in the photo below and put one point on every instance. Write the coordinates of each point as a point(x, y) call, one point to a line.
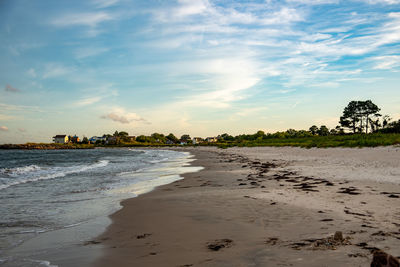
point(34, 173)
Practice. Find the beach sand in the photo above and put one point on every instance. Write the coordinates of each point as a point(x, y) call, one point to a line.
point(264, 207)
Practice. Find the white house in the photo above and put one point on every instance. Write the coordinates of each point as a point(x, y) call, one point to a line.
point(60, 139)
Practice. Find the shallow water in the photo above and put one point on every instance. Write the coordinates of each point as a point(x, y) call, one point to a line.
point(42, 191)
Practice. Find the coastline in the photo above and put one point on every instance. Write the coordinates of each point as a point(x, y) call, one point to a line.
point(251, 207)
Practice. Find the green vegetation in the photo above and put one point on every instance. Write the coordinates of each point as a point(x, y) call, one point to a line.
point(365, 128)
point(347, 140)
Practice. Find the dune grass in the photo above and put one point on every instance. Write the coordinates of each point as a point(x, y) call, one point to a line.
point(356, 140)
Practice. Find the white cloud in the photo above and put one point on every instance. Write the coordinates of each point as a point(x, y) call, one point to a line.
point(227, 80)
point(84, 52)
point(82, 19)
point(53, 70)
point(87, 101)
point(122, 116)
point(387, 62)
point(104, 3)
point(9, 107)
point(313, 2)
point(389, 2)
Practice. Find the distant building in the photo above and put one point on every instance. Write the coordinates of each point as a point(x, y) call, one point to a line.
point(94, 139)
point(61, 139)
point(211, 139)
point(197, 140)
point(74, 139)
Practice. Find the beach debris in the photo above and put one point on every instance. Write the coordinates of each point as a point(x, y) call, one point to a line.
point(326, 220)
point(331, 242)
point(272, 241)
point(91, 242)
point(364, 245)
point(349, 190)
point(219, 244)
point(142, 236)
point(382, 259)
point(391, 194)
point(356, 255)
point(347, 211)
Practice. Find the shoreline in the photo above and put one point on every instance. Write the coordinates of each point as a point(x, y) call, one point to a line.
point(71, 245)
point(255, 209)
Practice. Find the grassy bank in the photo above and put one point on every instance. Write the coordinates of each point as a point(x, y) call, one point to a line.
point(350, 140)
point(354, 140)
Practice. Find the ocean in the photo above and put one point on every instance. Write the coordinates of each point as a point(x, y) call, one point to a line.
point(48, 192)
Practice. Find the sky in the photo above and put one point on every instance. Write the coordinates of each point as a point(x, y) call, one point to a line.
point(198, 67)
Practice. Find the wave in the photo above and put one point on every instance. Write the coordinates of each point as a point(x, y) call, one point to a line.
point(19, 170)
point(33, 173)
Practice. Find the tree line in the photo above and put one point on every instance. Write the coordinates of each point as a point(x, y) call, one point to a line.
point(359, 117)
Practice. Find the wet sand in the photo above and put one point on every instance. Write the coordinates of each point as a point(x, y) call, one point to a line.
point(264, 207)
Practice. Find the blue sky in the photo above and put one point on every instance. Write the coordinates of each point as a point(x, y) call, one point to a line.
point(202, 67)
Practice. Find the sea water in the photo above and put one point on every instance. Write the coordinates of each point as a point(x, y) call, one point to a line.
point(44, 191)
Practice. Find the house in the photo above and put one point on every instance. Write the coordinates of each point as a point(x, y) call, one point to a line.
point(74, 139)
point(211, 139)
point(94, 139)
point(197, 140)
point(60, 139)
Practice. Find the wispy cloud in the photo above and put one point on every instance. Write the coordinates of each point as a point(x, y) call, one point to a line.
point(52, 70)
point(104, 3)
point(87, 101)
point(387, 62)
point(9, 107)
point(90, 19)
point(9, 88)
point(84, 52)
point(3, 129)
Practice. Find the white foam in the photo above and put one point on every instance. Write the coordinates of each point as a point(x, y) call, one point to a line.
point(19, 170)
point(30, 174)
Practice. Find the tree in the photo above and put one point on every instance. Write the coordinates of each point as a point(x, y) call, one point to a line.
point(185, 137)
point(369, 110)
point(141, 138)
point(350, 116)
point(85, 140)
point(171, 137)
point(323, 131)
point(386, 119)
point(358, 112)
point(123, 134)
point(313, 129)
point(159, 138)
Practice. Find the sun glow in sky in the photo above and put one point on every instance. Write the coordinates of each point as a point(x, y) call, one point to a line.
point(202, 67)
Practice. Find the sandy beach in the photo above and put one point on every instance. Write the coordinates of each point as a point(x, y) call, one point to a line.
point(264, 207)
